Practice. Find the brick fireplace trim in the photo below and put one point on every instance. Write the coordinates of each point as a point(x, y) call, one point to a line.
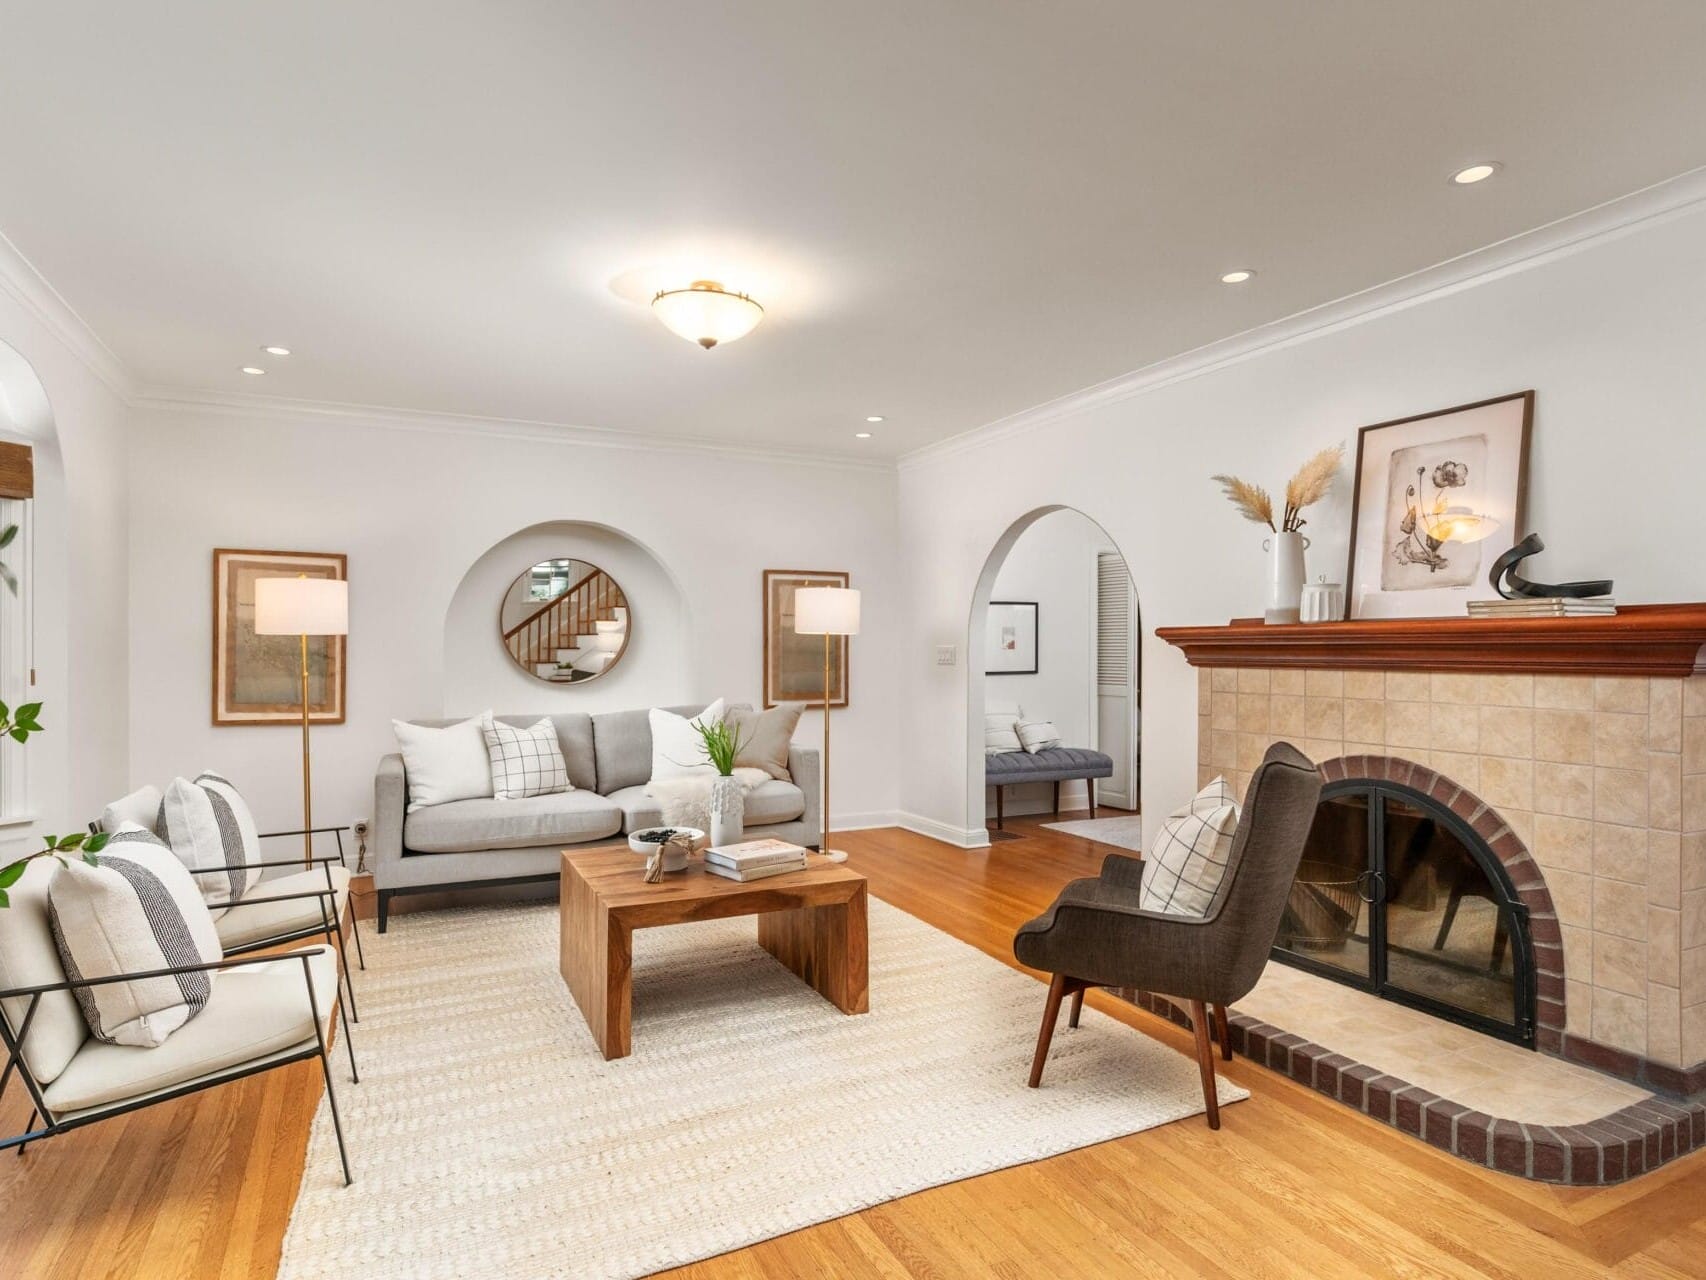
point(1544, 931)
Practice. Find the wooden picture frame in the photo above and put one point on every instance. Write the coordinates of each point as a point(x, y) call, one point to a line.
point(793, 664)
point(1471, 458)
point(1019, 657)
point(257, 680)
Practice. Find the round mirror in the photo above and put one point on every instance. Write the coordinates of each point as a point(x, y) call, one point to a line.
point(565, 621)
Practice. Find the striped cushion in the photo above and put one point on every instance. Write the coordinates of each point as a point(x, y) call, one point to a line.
point(1037, 735)
point(1183, 872)
point(208, 825)
point(525, 762)
point(138, 909)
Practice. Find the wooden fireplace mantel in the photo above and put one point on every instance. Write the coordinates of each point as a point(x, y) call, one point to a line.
point(1639, 640)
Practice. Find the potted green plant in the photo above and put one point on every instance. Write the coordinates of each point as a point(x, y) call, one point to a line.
point(722, 743)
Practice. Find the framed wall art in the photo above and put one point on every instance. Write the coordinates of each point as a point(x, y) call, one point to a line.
point(258, 679)
point(1010, 638)
point(1438, 497)
point(793, 664)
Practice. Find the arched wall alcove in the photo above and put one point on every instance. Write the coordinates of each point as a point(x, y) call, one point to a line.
point(977, 683)
point(478, 672)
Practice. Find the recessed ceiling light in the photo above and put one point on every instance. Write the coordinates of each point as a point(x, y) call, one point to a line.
point(861, 435)
point(276, 351)
point(1476, 173)
point(1237, 277)
point(253, 371)
point(875, 417)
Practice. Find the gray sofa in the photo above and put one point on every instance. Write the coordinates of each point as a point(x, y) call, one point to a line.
point(468, 843)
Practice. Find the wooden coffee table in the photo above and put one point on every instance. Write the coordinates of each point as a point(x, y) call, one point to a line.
point(813, 921)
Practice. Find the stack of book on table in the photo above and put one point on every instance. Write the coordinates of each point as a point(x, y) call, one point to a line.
point(1544, 607)
point(754, 859)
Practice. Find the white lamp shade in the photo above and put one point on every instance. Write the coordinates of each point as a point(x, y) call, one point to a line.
point(301, 607)
point(826, 611)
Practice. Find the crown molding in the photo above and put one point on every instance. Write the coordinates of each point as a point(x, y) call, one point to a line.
point(20, 280)
point(282, 410)
point(1661, 202)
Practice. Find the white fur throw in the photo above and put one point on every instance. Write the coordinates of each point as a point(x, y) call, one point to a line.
point(687, 801)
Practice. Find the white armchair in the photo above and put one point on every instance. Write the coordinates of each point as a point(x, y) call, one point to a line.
point(264, 1012)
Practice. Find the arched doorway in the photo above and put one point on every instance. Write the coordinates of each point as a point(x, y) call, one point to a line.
point(1053, 635)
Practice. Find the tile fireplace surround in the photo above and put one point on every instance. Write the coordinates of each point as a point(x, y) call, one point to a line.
point(1577, 749)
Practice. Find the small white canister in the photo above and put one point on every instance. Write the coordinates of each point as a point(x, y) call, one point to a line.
point(1322, 601)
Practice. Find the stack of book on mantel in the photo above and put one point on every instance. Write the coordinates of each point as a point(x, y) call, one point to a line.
point(1544, 607)
point(754, 859)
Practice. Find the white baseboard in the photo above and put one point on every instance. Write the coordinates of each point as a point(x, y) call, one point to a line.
point(959, 837)
point(863, 821)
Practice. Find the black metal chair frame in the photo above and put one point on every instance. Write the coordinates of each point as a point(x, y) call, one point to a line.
point(54, 1125)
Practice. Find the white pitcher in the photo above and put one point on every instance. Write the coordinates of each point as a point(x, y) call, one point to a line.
point(1285, 575)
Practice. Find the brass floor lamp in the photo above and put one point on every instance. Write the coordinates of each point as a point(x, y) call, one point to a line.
point(826, 612)
point(303, 607)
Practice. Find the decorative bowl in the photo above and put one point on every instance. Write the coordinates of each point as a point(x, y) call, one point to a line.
point(646, 840)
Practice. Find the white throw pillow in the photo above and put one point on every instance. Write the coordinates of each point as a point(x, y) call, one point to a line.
point(208, 826)
point(444, 764)
point(677, 751)
point(1183, 872)
point(1037, 735)
point(138, 909)
point(525, 762)
point(998, 722)
point(141, 806)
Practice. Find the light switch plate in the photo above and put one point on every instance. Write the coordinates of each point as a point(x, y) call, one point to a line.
point(946, 655)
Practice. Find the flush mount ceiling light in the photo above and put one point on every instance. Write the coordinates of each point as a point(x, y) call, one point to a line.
point(276, 351)
point(875, 417)
point(1476, 173)
point(1237, 277)
point(253, 370)
point(861, 435)
point(707, 313)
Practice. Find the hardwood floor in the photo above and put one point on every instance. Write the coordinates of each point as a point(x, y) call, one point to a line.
point(1291, 1185)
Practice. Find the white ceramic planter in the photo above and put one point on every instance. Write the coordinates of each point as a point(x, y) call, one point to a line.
point(1285, 576)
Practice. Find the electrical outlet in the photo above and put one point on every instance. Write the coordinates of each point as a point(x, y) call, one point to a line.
point(946, 655)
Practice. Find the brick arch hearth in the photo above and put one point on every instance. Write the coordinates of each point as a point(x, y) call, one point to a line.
point(1545, 935)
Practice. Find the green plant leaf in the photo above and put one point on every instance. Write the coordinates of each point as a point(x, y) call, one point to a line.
point(19, 734)
point(9, 875)
point(7, 534)
point(4, 900)
point(91, 859)
point(5, 712)
point(73, 841)
point(97, 842)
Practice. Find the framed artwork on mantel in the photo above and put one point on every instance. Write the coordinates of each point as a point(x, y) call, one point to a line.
point(793, 664)
point(1438, 497)
point(1010, 638)
point(258, 679)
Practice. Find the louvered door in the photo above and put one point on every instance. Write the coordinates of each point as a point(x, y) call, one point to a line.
point(1116, 679)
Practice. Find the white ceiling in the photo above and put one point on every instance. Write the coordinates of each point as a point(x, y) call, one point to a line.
point(951, 211)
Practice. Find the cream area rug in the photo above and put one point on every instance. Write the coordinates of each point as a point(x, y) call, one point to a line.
point(489, 1137)
point(1127, 833)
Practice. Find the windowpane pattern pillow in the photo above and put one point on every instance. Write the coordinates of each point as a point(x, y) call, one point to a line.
point(998, 731)
point(207, 825)
point(138, 909)
point(1183, 872)
point(525, 762)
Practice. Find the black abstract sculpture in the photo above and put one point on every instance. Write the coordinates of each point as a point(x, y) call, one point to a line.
point(1515, 586)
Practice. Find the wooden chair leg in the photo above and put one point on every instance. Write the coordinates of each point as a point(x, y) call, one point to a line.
point(1051, 1013)
point(1077, 1008)
point(1091, 783)
point(1205, 1063)
point(1223, 1029)
point(1057, 799)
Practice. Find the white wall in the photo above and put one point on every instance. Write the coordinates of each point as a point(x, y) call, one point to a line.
point(1054, 564)
point(75, 422)
point(1610, 332)
point(418, 511)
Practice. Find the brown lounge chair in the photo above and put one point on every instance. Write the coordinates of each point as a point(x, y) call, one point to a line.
point(1096, 935)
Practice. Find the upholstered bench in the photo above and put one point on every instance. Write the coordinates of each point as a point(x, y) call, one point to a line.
point(1056, 765)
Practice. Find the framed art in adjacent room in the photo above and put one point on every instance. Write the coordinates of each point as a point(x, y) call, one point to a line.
point(1438, 496)
point(258, 679)
point(793, 664)
point(1010, 639)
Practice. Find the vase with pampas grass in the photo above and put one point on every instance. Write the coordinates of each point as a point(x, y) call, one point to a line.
point(1286, 547)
